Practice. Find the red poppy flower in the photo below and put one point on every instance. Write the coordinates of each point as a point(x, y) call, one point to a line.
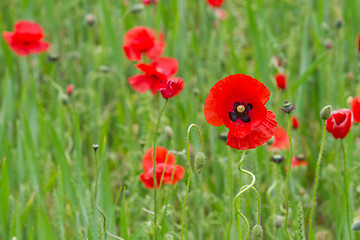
point(70, 89)
point(172, 87)
point(26, 38)
point(140, 40)
point(281, 80)
point(358, 43)
point(297, 162)
point(147, 2)
point(355, 108)
point(339, 123)
point(281, 141)
point(215, 3)
point(156, 73)
point(163, 170)
point(295, 122)
point(220, 13)
point(238, 102)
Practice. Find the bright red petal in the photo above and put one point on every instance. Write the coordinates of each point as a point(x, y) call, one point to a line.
point(161, 155)
point(139, 83)
point(27, 31)
point(39, 47)
point(257, 136)
point(211, 114)
point(166, 65)
point(131, 54)
point(355, 108)
point(158, 48)
point(281, 141)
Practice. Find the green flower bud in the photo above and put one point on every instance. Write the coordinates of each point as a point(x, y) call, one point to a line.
point(137, 8)
point(356, 226)
point(325, 112)
point(168, 132)
point(200, 161)
point(257, 233)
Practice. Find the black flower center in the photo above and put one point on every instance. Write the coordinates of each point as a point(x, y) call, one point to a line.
point(240, 110)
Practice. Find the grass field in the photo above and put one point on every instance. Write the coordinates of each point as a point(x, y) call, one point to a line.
point(48, 165)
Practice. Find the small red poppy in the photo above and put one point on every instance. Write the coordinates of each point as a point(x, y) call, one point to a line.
point(215, 3)
point(26, 38)
point(140, 40)
point(238, 102)
point(295, 122)
point(163, 170)
point(172, 87)
point(70, 89)
point(339, 123)
point(355, 108)
point(281, 80)
point(156, 73)
point(358, 43)
point(281, 139)
point(220, 13)
point(147, 2)
point(297, 162)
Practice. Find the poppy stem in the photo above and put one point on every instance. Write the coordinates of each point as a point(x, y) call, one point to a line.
point(189, 171)
point(291, 153)
point(231, 191)
point(346, 183)
point(242, 191)
point(154, 169)
point(317, 173)
point(95, 200)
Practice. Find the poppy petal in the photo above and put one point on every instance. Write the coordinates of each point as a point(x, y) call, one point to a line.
point(139, 83)
point(157, 49)
point(161, 154)
point(166, 65)
point(131, 54)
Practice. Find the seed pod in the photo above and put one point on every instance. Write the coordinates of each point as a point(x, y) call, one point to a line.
point(277, 159)
point(257, 233)
point(325, 112)
point(288, 107)
point(200, 161)
point(356, 226)
point(137, 8)
point(95, 147)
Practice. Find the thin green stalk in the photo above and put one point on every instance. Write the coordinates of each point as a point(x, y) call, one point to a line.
point(346, 183)
point(317, 173)
point(242, 191)
point(189, 171)
point(96, 205)
point(287, 180)
point(231, 192)
point(154, 169)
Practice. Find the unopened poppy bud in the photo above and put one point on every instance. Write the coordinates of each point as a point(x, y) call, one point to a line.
point(200, 161)
point(339, 23)
point(168, 132)
point(104, 69)
point(356, 226)
point(279, 221)
point(64, 99)
point(271, 141)
point(257, 233)
point(325, 112)
point(90, 19)
point(277, 159)
point(196, 91)
point(52, 57)
point(137, 8)
point(288, 107)
point(349, 100)
point(95, 147)
point(223, 136)
point(325, 26)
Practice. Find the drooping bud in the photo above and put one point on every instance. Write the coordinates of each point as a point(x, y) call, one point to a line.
point(137, 8)
point(356, 226)
point(257, 233)
point(52, 57)
point(279, 221)
point(223, 136)
point(64, 98)
point(168, 132)
point(200, 161)
point(325, 112)
point(277, 159)
point(288, 107)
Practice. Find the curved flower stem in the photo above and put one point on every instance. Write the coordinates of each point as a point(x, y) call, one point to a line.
point(231, 192)
point(189, 171)
point(154, 169)
point(242, 191)
point(96, 205)
point(346, 183)
point(317, 173)
point(291, 153)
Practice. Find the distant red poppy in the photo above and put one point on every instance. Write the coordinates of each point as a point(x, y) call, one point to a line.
point(355, 108)
point(147, 2)
point(70, 89)
point(281, 80)
point(26, 38)
point(359, 43)
point(163, 170)
point(238, 102)
point(281, 141)
point(156, 73)
point(172, 87)
point(215, 3)
point(220, 13)
point(140, 40)
point(297, 162)
point(339, 123)
point(295, 122)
